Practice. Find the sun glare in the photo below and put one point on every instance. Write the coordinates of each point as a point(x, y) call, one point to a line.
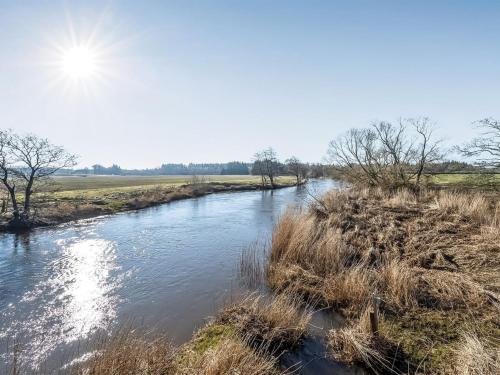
point(79, 62)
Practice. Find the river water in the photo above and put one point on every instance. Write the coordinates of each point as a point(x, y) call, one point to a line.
point(167, 268)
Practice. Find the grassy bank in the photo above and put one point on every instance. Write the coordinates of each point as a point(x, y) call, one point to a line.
point(433, 260)
point(71, 198)
point(246, 338)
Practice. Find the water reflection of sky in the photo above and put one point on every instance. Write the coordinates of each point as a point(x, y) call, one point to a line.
point(75, 300)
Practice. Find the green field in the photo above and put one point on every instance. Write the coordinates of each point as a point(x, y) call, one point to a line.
point(463, 179)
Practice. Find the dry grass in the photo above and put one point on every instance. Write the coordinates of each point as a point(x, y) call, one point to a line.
point(232, 356)
point(433, 252)
point(245, 339)
point(473, 205)
point(477, 357)
point(353, 346)
point(129, 353)
point(251, 266)
point(277, 323)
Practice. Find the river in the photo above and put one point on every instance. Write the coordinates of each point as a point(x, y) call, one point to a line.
point(167, 268)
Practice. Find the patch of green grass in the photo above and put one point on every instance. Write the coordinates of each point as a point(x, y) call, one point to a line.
point(430, 337)
point(465, 179)
point(205, 339)
point(210, 336)
point(116, 205)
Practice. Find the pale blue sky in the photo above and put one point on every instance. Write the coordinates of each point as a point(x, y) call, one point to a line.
point(218, 80)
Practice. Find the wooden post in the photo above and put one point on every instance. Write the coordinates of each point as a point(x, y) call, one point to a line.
point(374, 315)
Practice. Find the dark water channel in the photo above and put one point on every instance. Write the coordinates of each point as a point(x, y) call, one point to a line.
point(168, 268)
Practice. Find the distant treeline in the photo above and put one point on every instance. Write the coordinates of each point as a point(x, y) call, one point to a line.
point(231, 168)
point(241, 168)
point(453, 166)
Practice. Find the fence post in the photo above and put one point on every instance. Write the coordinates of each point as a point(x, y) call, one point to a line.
point(374, 315)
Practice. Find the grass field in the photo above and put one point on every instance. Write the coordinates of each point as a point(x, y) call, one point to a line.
point(463, 179)
point(67, 187)
point(69, 183)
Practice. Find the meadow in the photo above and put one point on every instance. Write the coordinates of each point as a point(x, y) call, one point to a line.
point(90, 182)
point(466, 180)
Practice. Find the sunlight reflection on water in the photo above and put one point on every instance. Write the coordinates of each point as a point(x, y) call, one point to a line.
point(75, 300)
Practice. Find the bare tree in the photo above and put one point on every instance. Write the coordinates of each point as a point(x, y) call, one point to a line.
point(258, 167)
point(27, 160)
point(266, 164)
point(386, 154)
point(295, 167)
point(6, 167)
point(271, 167)
point(428, 150)
point(486, 146)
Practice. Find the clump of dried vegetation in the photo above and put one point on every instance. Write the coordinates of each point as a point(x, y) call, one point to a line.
point(127, 352)
point(433, 258)
point(246, 338)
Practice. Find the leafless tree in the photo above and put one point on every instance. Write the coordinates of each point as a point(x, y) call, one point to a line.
point(385, 154)
point(27, 160)
point(486, 146)
point(258, 168)
point(266, 164)
point(6, 166)
point(296, 168)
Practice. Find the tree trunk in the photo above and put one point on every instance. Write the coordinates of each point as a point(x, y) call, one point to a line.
point(27, 197)
point(15, 207)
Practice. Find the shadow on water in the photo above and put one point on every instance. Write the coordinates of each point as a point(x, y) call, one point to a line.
point(311, 356)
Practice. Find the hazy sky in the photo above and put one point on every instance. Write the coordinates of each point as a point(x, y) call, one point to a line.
point(180, 81)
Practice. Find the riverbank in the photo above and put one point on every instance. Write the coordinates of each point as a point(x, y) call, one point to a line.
point(57, 207)
point(428, 264)
point(246, 338)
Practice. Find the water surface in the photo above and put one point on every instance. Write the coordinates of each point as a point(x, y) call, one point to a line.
point(167, 267)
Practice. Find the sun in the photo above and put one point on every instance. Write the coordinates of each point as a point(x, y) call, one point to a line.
point(79, 62)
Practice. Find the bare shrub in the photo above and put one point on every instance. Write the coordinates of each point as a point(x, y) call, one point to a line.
point(196, 180)
point(386, 155)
